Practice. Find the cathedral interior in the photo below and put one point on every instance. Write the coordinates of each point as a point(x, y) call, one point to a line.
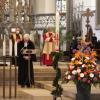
point(75, 19)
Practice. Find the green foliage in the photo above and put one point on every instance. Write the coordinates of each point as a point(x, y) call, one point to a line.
point(57, 92)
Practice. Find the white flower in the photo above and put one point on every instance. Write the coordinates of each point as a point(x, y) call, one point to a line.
point(87, 58)
point(69, 77)
point(74, 72)
point(73, 59)
point(71, 66)
point(93, 66)
point(83, 65)
point(94, 63)
point(66, 73)
point(80, 62)
point(78, 70)
point(91, 75)
point(82, 75)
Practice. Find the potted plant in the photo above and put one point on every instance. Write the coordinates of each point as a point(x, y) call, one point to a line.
point(83, 71)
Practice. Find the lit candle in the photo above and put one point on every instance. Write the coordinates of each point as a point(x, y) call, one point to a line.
point(15, 48)
point(4, 48)
point(10, 47)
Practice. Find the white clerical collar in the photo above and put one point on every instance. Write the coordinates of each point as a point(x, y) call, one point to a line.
point(25, 44)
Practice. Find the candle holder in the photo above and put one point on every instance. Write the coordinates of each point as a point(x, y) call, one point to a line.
point(10, 77)
point(15, 93)
point(4, 62)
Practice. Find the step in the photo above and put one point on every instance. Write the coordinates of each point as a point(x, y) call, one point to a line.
point(42, 94)
point(40, 73)
point(69, 90)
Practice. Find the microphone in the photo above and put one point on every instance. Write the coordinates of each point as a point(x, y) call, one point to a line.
point(25, 46)
point(22, 49)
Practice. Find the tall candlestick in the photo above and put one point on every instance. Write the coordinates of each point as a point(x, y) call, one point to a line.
point(10, 47)
point(4, 48)
point(1, 37)
point(57, 21)
point(57, 30)
point(4, 37)
point(15, 48)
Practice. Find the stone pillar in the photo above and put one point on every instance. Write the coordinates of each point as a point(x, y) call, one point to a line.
point(31, 4)
point(12, 4)
point(97, 14)
point(2, 2)
point(44, 6)
point(19, 9)
point(69, 15)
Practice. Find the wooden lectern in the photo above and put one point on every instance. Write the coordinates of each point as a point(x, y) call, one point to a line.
point(28, 53)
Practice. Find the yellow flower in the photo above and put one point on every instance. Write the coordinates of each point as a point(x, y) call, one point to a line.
point(78, 54)
point(86, 60)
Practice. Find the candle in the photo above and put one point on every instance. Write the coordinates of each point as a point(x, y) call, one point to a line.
point(57, 21)
point(15, 48)
point(57, 31)
point(1, 37)
point(10, 47)
point(4, 37)
point(4, 48)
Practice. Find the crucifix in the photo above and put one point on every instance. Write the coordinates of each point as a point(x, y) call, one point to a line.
point(88, 13)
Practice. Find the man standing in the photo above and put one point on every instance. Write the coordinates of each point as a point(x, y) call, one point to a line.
point(25, 65)
point(49, 47)
point(15, 37)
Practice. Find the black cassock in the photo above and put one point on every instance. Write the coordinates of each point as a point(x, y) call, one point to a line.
point(23, 64)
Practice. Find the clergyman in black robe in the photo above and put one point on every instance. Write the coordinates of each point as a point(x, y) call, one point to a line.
point(25, 69)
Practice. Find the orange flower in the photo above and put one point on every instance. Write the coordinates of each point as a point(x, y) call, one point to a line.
point(76, 62)
point(86, 60)
point(78, 54)
point(93, 53)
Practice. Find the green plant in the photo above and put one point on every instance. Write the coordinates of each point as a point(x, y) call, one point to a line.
point(57, 92)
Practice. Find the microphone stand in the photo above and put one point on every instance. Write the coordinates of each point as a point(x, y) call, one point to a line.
point(29, 59)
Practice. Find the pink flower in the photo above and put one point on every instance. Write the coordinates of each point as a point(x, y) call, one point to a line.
point(74, 51)
point(89, 81)
point(95, 79)
point(84, 79)
point(73, 77)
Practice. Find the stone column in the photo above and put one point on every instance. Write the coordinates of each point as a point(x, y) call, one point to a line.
point(31, 4)
point(69, 15)
point(19, 9)
point(97, 14)
point(44, 6)
point(12, 4)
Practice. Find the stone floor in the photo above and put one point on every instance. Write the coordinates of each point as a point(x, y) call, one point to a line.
point(30, 94)
point(45, 93)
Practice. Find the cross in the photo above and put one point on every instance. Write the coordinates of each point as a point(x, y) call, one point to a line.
point(88, 13)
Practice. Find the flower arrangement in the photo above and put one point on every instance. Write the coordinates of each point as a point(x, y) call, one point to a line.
point(83, 67)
